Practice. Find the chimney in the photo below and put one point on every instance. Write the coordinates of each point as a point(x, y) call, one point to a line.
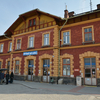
point(98, 6)
point(71, 14)
point(66, 13)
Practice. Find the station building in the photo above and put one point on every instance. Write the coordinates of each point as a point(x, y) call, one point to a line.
point(39, 46)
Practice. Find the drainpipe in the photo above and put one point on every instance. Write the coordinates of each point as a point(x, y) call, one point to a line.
point(59, 48)
point(7, 37)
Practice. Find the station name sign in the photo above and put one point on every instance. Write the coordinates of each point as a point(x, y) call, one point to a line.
point(30, 53)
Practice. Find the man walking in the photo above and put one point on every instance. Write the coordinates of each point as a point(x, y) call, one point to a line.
point(7, 77)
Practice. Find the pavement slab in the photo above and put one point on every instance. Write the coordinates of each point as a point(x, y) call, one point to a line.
point(24, 90)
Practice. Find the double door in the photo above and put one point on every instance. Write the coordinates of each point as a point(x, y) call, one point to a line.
point(90, 71)
point(30, 70)
point(46, 70)
point(90, 76)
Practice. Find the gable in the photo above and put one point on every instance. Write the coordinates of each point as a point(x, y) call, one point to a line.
point(40, 20)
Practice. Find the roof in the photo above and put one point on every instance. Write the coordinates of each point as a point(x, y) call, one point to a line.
point(25, 16)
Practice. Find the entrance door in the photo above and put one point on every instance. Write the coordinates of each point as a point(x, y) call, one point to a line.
point(46, 70)
point(30, 70)
point(90, 71)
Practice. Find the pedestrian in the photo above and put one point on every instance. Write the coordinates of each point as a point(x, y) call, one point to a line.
point(11, 77)
point(0, 78)
point(52, 80)
point(7, 77)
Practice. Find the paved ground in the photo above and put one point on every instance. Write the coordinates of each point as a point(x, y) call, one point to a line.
point(23, 90)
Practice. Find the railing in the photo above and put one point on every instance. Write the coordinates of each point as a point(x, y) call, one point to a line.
point(35, 27)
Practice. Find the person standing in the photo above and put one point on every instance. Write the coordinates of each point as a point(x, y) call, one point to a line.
point(7, 77)
point(11, 77)
point(0, 78)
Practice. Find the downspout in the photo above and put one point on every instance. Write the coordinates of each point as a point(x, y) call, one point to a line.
point(59, 48)
point(7, 37)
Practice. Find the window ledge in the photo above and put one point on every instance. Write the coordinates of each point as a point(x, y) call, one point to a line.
point(1, 52)
point(65, 45)
point(45, 46)
point(88, 42)
point(30, 48)
point(8, 51)
point(17, 49)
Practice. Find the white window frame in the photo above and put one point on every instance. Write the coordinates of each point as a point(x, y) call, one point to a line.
point(31, 42)
point(66, 37)
point(46, 39)
point(1, 48)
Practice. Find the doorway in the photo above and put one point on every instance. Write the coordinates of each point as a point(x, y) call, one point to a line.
point(30, 70)
point(46, 70)
point(90, 71)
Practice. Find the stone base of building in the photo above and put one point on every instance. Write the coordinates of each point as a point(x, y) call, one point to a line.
point(20, 77)
point(66, 80)
point(98, 82)
point(37, 78)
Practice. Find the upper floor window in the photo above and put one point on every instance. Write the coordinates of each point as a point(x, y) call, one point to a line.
point(66, 67)
point(1, 47)
point(32, 22)
point(18, 43)
point(46, 39)
point(66, 38)
point(10, 46)
point(16, 66)
point(31, 42)
point(88, 34)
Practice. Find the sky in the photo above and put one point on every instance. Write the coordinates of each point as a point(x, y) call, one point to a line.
point(11, 9)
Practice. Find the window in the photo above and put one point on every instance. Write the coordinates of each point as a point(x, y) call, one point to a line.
point(1, 48)
point(10, 46)
point(46, 39)
point(16, 66)
point(31, 42)
point(88, 34)
point(18, 43)
point(0, 64)
point(8, 65)
point(30, 67)
point(32, 22)
point(89, 62)
point(66, 38)
point(66, 67)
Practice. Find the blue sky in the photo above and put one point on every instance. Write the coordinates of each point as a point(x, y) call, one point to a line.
point(11, 9)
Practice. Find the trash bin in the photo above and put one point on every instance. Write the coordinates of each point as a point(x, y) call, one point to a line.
point(78, 81)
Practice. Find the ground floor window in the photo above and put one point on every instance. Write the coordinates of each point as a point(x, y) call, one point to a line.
point(16, 66)
point(66, 67)
point(8, 65)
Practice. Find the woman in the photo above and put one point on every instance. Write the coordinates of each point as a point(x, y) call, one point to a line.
point(11, 77)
